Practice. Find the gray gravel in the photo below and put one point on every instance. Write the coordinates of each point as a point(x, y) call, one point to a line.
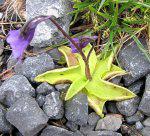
point(55, 131)
point(53, 106)
point(45, 89)
point(145, 102)
point(5, 126)
point(134, 61)
point(46, 33)
point(62, 87)
point(40, 99)
point(138, 116)
point(146, 122)
point(76, 109)
point(26, 116)
point(103, 133)
point(33, 66)
point(128, 107)
point(136, 87)
point(110, 122)
point(93, 118)
point(139, 125)
point(13, 88)
point(146, 131)
point(72, 126)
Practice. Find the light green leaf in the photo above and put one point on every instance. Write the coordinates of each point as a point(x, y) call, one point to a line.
point(108, 91)
point(96, 104)
point(114, 71)
point(59, 75)
point(75, 87)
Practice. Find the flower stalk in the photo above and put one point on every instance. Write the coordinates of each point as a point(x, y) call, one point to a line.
point(85, 59)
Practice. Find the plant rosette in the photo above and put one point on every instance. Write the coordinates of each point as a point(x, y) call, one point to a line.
point(98, 90)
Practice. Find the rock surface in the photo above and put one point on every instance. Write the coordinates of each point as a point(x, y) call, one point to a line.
point(14, 88)
point(136, 87)
point(53, 106)
point(103, 133)
point(46, 33)
point(76, 109)
point(146, 122)
point(5, 126)
point(138, 116)
point(33, 66)
point(139, 125)
point(128, 107)
point(134, 61)
point(26, 116)
point(110, 122)
point(62, 87)
point(55, 131)
point(146, 131)
point(72, 126)
point(40, 99)
point(45, 89)
point(145, 102)
point(93, 118)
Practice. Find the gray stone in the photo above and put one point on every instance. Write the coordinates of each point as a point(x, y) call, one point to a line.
point(136, 87)
point(86, 129)
point(116, 80)
point(55, 54)
point(146, 131)
point(11, 62)
point(132, 59)
point(146, 122)
point(111, 122)
point(53, 106)
point(55, 131)
point(145, 102)
point(147, 85)
point(62, 87)
point(45, 89)
point(26, 116)
point(40, 99)
point(103, 133)
point(5, 126)
point(138, 116)
point(93, 118)
point(128, 107)
point(33, 66)
point(139, 125)
point(72, 126)
point(77, 109)
point(13, 88)
point(46, 33)
point(77, 133)
point(112, 108)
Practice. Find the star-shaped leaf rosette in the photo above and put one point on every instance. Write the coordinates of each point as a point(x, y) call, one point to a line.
point(98, 89)
point(86, 71)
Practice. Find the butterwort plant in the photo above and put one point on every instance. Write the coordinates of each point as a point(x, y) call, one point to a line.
point(86, 71)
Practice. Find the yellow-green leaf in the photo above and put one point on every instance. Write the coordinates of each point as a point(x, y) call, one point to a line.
point(59, 75)
point(97, 104)
point(75, 87)
point(114, 71)
point(108, 91)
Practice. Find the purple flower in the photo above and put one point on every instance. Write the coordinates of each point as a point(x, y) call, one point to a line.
point(82, 42)
point(21, 38)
